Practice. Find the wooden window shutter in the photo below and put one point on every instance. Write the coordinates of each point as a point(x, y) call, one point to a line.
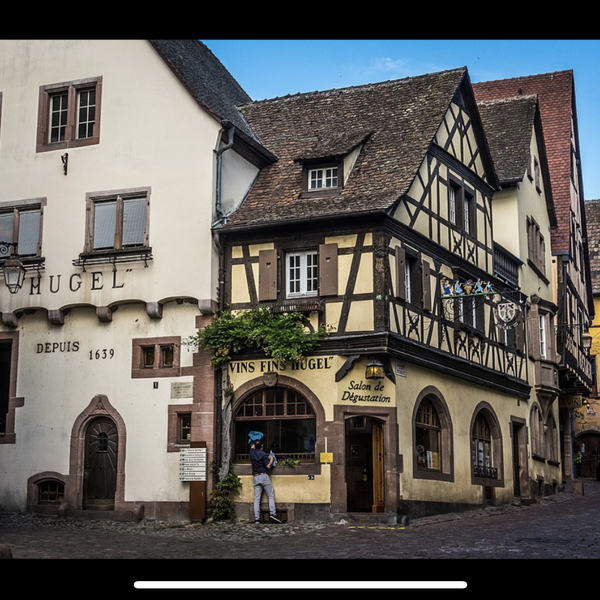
point(426, 281)
point(328, 269)
point(520, 335)
point(400, 273)
point(481, 324)
point(267, 275)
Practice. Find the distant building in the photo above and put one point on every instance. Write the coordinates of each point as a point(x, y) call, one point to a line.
point(524, 216)
point(573, 293)
point(587, 417)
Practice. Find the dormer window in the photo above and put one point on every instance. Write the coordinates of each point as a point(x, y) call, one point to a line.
point(322, 178)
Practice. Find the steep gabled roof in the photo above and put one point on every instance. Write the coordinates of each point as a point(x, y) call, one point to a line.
point(393, 123)
point(206, 79)
point(556, 97)
point(509, 125)
point(592, 212)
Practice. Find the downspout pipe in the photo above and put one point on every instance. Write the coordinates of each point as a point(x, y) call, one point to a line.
point(230, 135)
point(217, 240)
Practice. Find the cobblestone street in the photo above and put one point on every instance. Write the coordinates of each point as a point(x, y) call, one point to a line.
point(565, 526)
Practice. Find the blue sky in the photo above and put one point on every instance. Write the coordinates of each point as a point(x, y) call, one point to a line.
point(271, 68)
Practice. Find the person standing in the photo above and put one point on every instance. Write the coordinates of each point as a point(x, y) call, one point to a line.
point(261, 462)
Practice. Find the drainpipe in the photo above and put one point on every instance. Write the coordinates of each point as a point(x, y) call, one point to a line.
point(221, 274)
point(220, 152)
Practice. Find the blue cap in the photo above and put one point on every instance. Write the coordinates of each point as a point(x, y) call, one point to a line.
point(253, 436)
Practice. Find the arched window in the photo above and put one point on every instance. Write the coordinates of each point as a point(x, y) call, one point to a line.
point(286, 419)
point(537, 432)
point(432, 437)
point(428, 436)
point(551, 439)
point(483, 454)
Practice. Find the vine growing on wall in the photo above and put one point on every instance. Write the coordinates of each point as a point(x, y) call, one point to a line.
point(282, 336)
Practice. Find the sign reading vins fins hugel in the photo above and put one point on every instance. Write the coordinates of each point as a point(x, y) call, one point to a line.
point(192, 464)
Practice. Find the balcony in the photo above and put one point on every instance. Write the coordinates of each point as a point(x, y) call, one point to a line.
point(506, 265)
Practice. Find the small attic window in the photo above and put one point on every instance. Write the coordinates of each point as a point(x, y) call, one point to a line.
point(322, 178)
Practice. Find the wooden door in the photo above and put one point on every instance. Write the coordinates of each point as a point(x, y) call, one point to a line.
point(100, 474)
point(378, 470)
point(590, 454)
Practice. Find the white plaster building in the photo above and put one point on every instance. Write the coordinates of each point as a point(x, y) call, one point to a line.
point(116, 156)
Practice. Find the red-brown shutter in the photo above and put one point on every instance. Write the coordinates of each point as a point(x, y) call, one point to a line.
point(267, 275)
point(400, 273)
point(328, 270)
point(426, 281)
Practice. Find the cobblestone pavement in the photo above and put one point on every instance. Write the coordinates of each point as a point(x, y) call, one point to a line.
point(565, 526)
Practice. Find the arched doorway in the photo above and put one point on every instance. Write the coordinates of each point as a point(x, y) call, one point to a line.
point(100, 464)
point(364, 464)
point(590, 453)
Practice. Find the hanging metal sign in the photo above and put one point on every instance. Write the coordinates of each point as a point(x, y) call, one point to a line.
point(507, 314)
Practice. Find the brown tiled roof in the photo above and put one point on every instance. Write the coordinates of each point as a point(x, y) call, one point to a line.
point(556, 98)
point(592, 213)
point(509, 125)
point(396, 121)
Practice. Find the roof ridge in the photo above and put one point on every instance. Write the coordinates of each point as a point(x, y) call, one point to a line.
point(533, 76)
point(363, 86)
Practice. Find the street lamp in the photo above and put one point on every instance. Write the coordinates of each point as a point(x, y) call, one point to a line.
point(586, 341)
point(374, 370)
point(13, 269)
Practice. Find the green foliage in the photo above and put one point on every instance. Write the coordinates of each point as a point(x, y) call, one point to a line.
point(230, 484)
point(221, 506)
point(289, 462)
point(282, 336)
point(221, 503)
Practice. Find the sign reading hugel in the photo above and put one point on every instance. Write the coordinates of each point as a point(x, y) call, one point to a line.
point(94, 280)
point(192, 464)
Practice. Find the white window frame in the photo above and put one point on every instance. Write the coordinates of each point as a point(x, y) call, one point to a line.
point(543, 339)
point(88, 108)
point(452, 204)
point(323, 178)
point(68, 126)
point(305, 282)
point(408, 281)
point(467, 214)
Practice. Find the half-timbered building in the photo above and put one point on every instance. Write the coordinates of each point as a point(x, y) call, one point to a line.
point(569, 244)
point(376, 221)
point(586, 418)
point(524, 216)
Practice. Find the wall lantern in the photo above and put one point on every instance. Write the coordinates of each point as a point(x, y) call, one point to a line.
point(586, 341)
point(374, 370)
point(13, 269)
